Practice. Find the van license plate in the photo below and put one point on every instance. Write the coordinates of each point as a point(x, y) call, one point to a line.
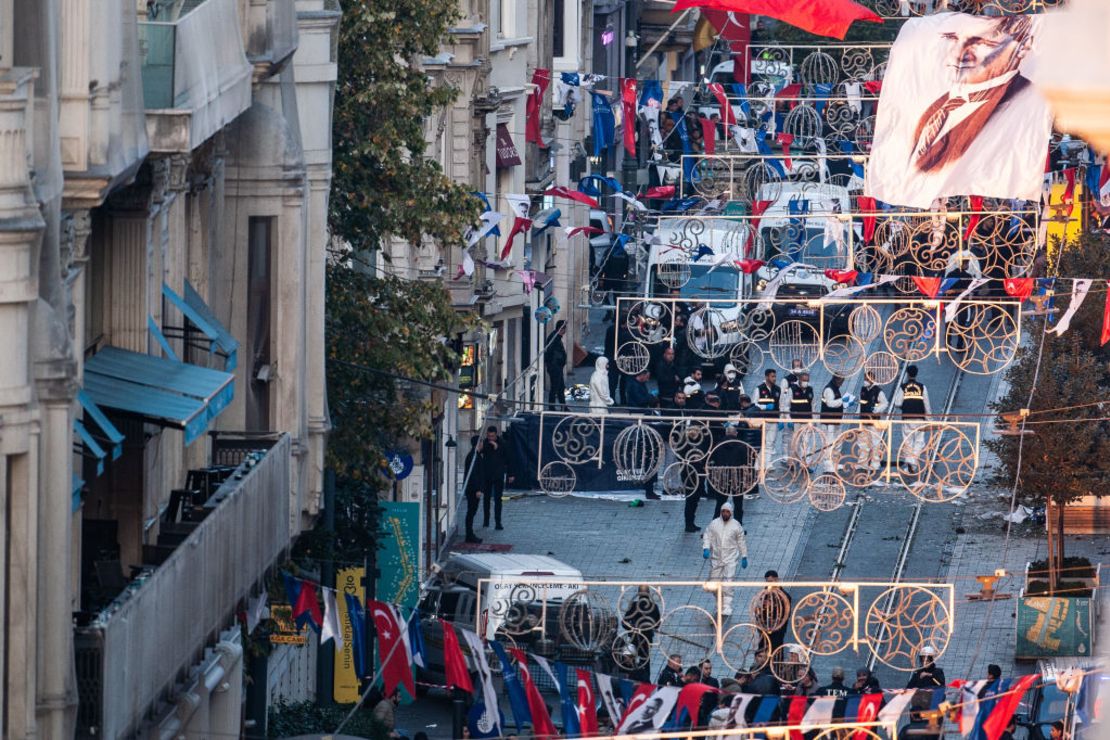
point(808, 313)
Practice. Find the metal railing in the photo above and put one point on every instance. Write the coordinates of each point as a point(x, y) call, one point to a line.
point(136, 648)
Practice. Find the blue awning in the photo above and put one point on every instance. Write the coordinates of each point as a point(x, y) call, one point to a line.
point(160, 390)
point(109, 435)
point(193, 308)
point(95, 450)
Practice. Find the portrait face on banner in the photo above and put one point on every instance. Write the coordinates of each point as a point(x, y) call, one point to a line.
point(957, 115)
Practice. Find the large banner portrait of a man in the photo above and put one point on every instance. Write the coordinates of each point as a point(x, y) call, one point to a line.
point(957, 115)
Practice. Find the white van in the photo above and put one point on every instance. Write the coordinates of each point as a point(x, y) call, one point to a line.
point(816, 240)
point(505, 578)
point(454, 597)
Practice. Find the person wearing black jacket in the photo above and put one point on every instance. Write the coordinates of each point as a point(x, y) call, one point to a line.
point(671, 675)
point(473, 489)
point(835, 687)
point(666, 374)
point(555, 363)
point(494, 464)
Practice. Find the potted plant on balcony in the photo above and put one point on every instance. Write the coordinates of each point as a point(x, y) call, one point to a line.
point(1059, 453)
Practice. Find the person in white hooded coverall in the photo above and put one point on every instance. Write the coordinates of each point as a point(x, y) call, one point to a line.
point(600, 400)
point(724, 546)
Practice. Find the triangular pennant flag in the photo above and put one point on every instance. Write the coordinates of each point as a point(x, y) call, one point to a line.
point(749, 266)
point(330, 628)
point(820, 712)
point(1106, 318)
point(520, 225)
point(572, 231)
point(568, 700)
point(930, 286)
point(575, 195)
point(892, 711)
point(1007, 704)
point(394, 659)
point(848, 277)
point(485, 675)
point(609, 698)
point(517, 699)
point(689, 701)
point(795, 713)
point(973, 220)
point(416, 639)
point(358, 633)
point(306, 610)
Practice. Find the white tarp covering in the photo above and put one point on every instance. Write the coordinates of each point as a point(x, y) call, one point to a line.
point(957, 115)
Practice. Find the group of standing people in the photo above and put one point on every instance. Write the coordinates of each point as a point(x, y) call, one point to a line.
point(486, 471)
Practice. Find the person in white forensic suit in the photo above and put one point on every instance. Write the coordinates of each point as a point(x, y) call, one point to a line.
point(600, 398)
point(724, 545)
point(833, 402)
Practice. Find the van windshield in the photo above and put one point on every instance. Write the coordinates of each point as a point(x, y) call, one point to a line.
point(810, 245)
point(704, 282)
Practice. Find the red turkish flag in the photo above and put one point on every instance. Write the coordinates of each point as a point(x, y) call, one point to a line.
point(542, 726)
point(1106, 317)
point(727, 116)
point(822, 17)
point(541, 78)
point(868, 204)
point(795, 713)
point(786, 140)
point(396, 670)
point(869, 705)
point(973, 222)
point(628, 104)
point(709, 135)
point(520, 225)
point(749, 266)
point(736, 29)
point(1020, 288)
point(587, 703)
point(842, 276)
point(457, 674)
point(660, 191)
point(642, 693)
point(1005, 707)
point(578, 196)
point(930, 286)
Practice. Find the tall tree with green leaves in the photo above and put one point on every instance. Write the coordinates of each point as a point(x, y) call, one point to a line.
point(1065, 453)
point(383, 185)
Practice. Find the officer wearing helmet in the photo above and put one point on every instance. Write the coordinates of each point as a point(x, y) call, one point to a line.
point(929, 675)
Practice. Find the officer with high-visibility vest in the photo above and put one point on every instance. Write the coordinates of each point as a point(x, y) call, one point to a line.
point(767, 397)
point(833, 402)
point(799, 405)
point(912, 397)
point(872, 405)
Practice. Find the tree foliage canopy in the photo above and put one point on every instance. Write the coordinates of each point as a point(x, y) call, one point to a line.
point(382, 183)
point(1062, 461)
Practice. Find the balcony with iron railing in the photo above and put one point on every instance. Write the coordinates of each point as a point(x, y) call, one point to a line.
point(196, 75)
point(215, 540)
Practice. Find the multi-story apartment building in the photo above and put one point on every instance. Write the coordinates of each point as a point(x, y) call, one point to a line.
point(491, 58)
point(163, 201)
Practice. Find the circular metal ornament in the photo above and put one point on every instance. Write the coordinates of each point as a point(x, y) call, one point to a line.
point(770, 608)
point(637, 453)
point(673, 274)
point(786, 480)
point(819, 68)
point(577, 439)
point(807, 445)
point(745, 647)
point(689, 631)
point(704, 335)
point(904, 619)
point(681, 479)
point(587, 620)
point(946, 463)
point(690, 440)
point(633, 358)
point(648, 322)
point(790, 662)
point(516, 613)
point(732, 468)
point(854, 451)
point(759, 323)
point(641, 610)
point(865, 323)
point(982, 338)
point(745, 355)
point(910, 333)
point(826, 492)
point(823, 620)
point(631, 650)
point(557, 479)
point(795, 340)
point(881, 368)
point(844, 355)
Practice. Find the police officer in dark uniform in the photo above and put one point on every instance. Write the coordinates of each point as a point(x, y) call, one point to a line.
point(913, 398)
point(768, 394)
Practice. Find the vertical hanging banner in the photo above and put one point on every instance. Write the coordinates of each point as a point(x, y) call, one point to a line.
point(344, 676)
point(399, 558)
point(957, 115)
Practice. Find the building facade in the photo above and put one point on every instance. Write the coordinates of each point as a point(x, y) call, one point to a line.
point(491, 57)
point(163, 213)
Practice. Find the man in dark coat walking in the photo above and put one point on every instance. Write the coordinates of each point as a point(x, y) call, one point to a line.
point(555, 362)
point(494, 464)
